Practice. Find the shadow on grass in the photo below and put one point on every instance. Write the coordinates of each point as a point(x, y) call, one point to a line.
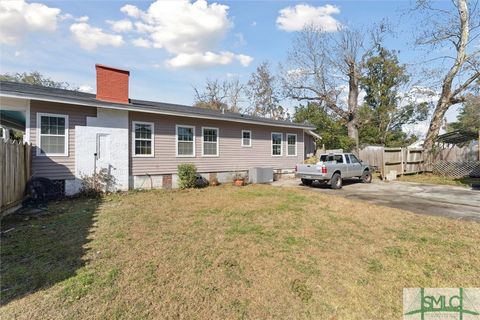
point(38, 251)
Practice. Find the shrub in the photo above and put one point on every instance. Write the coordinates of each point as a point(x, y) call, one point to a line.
point(187, 173)
point(97, 183)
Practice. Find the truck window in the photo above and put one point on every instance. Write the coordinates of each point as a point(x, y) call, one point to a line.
point(347, 158)
point(331, 157)
point(354, 159)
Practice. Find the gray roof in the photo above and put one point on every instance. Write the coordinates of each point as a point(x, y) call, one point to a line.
point(33, 92)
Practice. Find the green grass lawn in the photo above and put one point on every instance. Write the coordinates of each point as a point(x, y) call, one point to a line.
point(228, 253)
point(435, 179)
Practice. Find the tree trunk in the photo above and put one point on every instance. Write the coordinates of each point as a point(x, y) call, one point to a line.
point(444, 101)
point(353, 91)
point(436, 122)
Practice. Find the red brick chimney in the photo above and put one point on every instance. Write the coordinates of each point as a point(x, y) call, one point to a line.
point(112, 84)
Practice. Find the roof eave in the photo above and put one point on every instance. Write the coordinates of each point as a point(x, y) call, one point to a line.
point(127, 107)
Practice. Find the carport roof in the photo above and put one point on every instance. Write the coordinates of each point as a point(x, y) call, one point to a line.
point(27, 91)
point(457, 137)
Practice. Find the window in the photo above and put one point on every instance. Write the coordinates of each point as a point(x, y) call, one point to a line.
point(143, 135)
point(354, 159)
point(210, 142)
point(53, 134)
point(246, 138)
point(330, 158)
point(276, 144)
point(291, 144)
point(347, 158)
point(185, 141)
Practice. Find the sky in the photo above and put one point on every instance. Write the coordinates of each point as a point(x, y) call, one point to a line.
point(172, 46)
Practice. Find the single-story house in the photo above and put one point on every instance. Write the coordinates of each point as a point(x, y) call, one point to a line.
point(141, 143)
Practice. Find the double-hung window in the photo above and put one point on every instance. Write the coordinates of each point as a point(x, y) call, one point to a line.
point(52, 134)
point(143, 139)
point(291, 144)
point(185, 136)
point(209, 142)
point(246, 138)
point(276, 144)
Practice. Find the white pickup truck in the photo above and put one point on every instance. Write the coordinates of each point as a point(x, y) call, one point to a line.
point(332, 168)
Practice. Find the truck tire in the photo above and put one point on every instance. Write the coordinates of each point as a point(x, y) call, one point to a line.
point(307, 182)
point(366, 176)
point(336, 181)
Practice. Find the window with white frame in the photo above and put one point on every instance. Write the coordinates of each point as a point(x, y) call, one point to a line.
point(246, 138)
point(53, 134)
point(210, 141)
point(143, 139)
point(291, 144)
point(185, 141)
point(276, 144)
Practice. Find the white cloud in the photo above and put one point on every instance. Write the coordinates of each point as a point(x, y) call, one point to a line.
point(253, 24)
point(90, 37)
point(297, 17)
point(207, 59)
point(141, 42)
point(244, 59)
point(189, 31)
point(86, 88)
point(121, 25)
point(240, 40)
point(82, 19)
point(18, 17)
point(131, 10)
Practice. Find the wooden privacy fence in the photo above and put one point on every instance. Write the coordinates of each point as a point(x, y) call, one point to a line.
point(15, 170)
point(400, 160)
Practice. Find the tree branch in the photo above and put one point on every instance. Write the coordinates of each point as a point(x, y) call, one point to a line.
point(464, 86)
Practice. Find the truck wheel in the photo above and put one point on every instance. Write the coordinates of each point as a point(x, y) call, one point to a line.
point(307, 182)
point(336, 181)
point(366, 177)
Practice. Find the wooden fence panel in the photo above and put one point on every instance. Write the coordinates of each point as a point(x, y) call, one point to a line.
point(401, 160)
point(15, 170)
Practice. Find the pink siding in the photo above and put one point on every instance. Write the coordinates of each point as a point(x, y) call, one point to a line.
point(57, 167)
point(232, 156)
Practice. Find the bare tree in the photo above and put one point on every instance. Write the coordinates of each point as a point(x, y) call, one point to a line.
point(457, 30)
point(218, 95)
point(263, 93)
point(322, 66)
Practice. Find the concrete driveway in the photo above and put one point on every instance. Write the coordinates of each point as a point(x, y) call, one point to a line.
point(449, 201)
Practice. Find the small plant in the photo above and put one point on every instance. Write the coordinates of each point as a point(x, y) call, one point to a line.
point(187, 173)
point(97, 183)
point(214, 182)
point(239, 179)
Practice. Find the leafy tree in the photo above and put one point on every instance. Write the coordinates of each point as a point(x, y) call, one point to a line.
point(262, 90)
point(384, 112)
point(35, 78)
point(333, 130)
point(468, 118)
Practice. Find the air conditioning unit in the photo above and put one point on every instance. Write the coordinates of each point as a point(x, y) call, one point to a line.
point(260, 175)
